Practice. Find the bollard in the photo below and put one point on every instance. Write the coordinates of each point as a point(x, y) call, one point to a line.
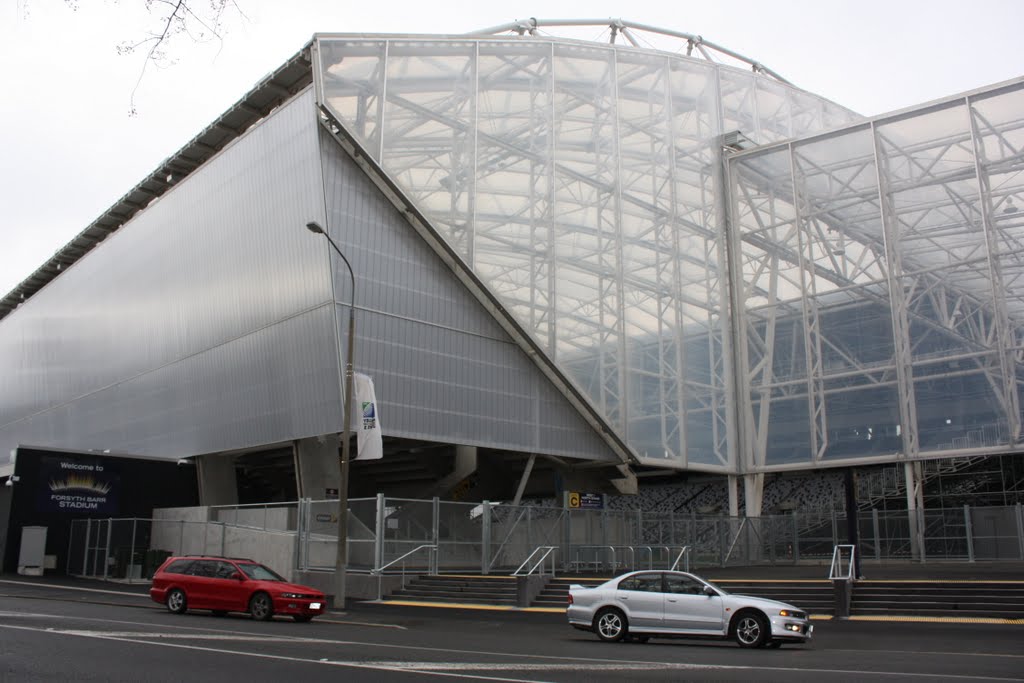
point(842, 591)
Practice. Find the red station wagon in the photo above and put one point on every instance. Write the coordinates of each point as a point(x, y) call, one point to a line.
point(224, 584)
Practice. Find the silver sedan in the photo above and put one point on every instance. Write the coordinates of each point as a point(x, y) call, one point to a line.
point(646, 604)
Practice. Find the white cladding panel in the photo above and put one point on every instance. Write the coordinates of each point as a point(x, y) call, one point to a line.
point(443, 368)
point(208, 322)
point(203, 324)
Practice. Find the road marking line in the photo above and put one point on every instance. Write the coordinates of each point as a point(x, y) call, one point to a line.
point(470, 666)
point(937, 620)
point(76, 588)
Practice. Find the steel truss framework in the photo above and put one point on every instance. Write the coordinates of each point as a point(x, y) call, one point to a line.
point(582, 182)
point(888, 257)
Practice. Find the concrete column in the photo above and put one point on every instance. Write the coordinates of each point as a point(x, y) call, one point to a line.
point(218, 484)
point(317, 466)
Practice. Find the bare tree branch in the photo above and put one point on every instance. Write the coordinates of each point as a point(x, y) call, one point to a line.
point(198, 21)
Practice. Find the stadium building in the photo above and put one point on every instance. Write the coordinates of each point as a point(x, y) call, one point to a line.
point(568, 263)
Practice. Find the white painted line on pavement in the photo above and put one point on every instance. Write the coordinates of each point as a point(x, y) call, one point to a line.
point(144, 596)
point(450, 669)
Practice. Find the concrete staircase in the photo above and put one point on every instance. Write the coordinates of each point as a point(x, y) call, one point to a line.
point(555, 593)
point(462, 589)
point(994, 599)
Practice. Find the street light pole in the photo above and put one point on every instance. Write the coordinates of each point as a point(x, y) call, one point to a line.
point(341, 559)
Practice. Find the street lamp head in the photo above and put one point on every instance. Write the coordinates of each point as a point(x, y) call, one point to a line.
point(313, 226)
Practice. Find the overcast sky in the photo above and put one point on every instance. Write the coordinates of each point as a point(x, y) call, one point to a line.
point(69, 149)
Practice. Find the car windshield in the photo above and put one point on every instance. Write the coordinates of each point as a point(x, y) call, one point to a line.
point(259, 572)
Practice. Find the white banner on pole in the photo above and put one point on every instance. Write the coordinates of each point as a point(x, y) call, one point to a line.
point(366, 419)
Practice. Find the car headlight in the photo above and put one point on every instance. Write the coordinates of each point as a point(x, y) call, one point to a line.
point(793, 614)
point(291, 596)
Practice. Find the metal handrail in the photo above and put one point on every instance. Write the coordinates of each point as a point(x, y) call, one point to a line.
point(835, 571)
point(431, 569)
point(548, 549)
point(614, 562)
point(431, 546)
point(684, 553)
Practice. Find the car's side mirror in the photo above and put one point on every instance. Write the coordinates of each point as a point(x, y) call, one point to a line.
point(709, 591)
point(238, 576)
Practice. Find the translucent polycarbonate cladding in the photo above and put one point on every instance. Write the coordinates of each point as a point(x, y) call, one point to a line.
point(442, 366)
point(884, 264)
point(206, 323)
point(577, 180)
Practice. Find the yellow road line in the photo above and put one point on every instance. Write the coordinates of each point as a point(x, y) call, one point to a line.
point(938, 620)
point(939, 581)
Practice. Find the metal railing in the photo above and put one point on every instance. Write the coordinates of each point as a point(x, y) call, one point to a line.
point(836, 571)
point(684, 556)
point(496, 538)
point(545, 552)
point(431, 565)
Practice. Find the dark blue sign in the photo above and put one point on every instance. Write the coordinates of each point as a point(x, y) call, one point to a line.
point(586, 501)
point(77, 486)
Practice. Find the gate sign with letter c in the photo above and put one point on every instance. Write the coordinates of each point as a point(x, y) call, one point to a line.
point(574, 500)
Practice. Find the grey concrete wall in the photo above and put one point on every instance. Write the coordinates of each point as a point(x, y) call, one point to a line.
point(218, 482)
point(282, 518)
point(318, 466)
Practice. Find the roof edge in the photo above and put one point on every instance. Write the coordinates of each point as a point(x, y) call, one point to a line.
point(267, 95)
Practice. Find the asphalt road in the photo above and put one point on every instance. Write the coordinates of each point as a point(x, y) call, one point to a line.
point(48, 633)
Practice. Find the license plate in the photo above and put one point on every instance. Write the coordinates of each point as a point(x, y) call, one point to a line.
point(314, 605)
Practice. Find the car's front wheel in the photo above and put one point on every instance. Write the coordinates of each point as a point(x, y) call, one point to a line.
point(176, 601)
point(610, 625)
point(751, 630)
point(261, 607)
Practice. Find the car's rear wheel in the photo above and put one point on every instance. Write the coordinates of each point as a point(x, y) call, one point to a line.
point(610, 625)
point(751, 629)
point(176, 601)
point(302, 618)
point(261, 607)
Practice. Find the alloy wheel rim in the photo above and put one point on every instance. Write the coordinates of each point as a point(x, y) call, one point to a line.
point(748, 630)
point(610, 625)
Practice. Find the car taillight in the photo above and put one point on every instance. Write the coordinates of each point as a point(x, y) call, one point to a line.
point(570, 598)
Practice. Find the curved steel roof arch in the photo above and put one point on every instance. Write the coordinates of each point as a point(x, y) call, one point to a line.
point(694, 43)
